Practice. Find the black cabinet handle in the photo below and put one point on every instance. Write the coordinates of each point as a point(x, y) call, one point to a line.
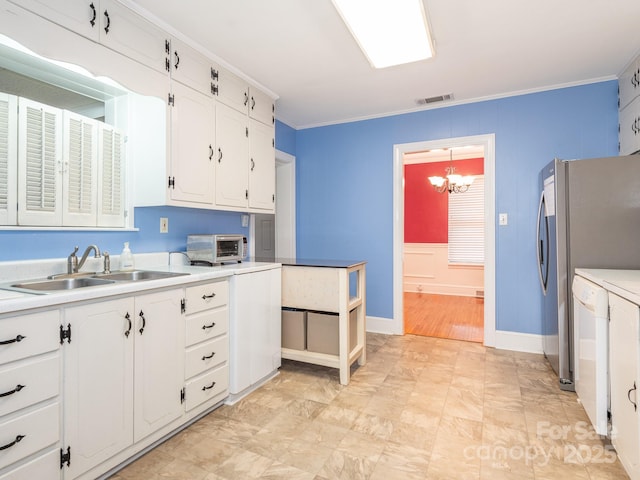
point(246, 98)
point(11, 392)
point(93, 10)
point(177, 60)
point(635, 405)
point(208, 387)
point(204, 297)
point(210, 152)
point(128, 317)
point(205, 357)
point(9, 445)
point(213, 324)
point(253, 103)
point(18, 339)
point(106, 28)
point(219, 155)
point(253, 164)
point(144, 322)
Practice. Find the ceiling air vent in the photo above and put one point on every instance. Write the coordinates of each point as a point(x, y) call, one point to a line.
point(436, 99)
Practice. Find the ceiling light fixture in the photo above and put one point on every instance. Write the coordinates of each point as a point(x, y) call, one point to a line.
point(452, 183)
point(389, 32)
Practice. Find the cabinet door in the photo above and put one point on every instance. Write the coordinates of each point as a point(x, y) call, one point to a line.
point(629, 135)
point(623, 361)
point(98, 382)
point(80, 16)
point(159, 361)
point(261, 107)
point(232, 90)
point(231, 157)
point(190, 67)
point(629, 84)
point(262, 167)
point(8, 159)
point(39, 164)
point(80, 173)
point(192, 145)
point(111, 196)
point(125, 31)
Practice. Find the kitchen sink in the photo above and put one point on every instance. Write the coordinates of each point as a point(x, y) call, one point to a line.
point(137, 275)
point(61, 284)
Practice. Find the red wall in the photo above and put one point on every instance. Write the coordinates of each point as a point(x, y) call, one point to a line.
point(425, 210)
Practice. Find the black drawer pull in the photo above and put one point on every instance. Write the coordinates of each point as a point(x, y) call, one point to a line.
point(208, 387)
point(11, 392)
point(19, 338)
point(204, 327)
point(204, 297)
point(9, 445)
point(205, 357)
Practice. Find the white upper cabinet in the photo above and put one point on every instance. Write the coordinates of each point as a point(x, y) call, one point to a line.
point(262, 167)
point(261, 107)
point(192, 143)
point(232, 152)
point(80, 171)
point(190, 67)
point(629, 128)
point(230, 89)
point(8, 158)
point(629, 84)
point(108, 22)
point(39, 164)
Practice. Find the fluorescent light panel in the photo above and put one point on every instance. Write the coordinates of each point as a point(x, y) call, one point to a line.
point(389, 32)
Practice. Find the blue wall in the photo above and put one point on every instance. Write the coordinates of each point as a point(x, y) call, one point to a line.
point(345, 183)
point(23, 245)
point(285, 138)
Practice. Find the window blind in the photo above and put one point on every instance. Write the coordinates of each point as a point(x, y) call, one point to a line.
point(466, 224)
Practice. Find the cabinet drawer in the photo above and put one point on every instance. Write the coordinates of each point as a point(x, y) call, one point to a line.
point(30, 383)
point(210, 386)
point(29, 335)
point(207, 325)
point(36, 430)
point(206, 355)
point(210, 295)
point(46, 466)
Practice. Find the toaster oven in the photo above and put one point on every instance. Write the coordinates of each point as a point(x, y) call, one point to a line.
point(213, 249)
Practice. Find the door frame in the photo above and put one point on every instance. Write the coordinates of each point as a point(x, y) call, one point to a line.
point(488, 143)
point(285, 210)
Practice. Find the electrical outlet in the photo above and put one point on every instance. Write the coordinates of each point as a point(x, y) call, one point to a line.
point(245, 220)
point(164, 225)
point(503, 219)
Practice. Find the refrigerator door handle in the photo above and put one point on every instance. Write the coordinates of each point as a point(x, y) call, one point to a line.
point(540, 246)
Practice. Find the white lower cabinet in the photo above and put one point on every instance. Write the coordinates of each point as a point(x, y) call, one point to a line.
point(124, 372)
point(255, 351)
point(624, 358)
point(29, 396)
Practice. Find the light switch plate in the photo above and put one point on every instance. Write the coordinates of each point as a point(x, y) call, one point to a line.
point(503, 219)
point(245, 220)
point(164, 225)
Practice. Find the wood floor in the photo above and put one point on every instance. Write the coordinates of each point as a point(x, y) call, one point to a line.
point(444, 316)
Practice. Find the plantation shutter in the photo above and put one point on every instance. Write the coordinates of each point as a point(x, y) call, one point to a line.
point(466, 224)
point(111, 187)
point(8, 158)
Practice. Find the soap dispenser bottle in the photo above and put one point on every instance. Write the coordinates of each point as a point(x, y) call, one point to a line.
point(126, 258)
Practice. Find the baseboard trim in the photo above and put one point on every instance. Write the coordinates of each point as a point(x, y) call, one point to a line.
point(519, 342)
point(381, 325)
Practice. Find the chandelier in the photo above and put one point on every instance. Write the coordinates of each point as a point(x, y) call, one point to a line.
point(452, 182)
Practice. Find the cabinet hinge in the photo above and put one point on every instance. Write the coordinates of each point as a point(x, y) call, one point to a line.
point(183, 305)
point(273, 120)
point(65, 457)
point(172, 182)
point(273, 142)
point(273, 197)
point(214, 89)
point(183, 394)
point(65, 334)
point(246, 131)
point(246, 194)
point(167, 65)
point(171, 99)
point(167, 47)
point(214, 74)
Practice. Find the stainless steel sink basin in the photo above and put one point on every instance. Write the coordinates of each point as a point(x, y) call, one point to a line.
point(137, 275)
point(61, 284)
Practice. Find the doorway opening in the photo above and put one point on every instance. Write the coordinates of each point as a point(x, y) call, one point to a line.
point(485, 302)
point(443, 277)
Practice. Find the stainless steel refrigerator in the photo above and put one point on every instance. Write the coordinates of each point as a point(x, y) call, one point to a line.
point(588, 217)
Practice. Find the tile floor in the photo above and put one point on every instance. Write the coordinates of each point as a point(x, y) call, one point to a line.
point(421, 408)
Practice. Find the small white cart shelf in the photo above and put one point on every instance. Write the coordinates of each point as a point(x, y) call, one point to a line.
point(333, 287)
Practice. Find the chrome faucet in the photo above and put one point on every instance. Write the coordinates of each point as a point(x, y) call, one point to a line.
point(73, 266)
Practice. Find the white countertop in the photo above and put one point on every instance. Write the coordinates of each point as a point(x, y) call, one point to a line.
point(624, 283)
point(11, 301)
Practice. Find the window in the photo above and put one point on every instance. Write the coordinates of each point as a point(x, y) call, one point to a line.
point(466, 225)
